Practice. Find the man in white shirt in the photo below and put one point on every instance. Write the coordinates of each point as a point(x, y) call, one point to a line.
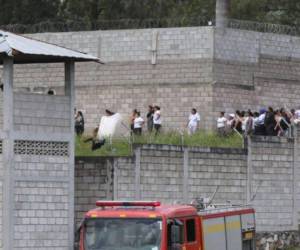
point(138, 124)
point(297, 117)
point(157, 119)
point(193, 123)
point(221, 124)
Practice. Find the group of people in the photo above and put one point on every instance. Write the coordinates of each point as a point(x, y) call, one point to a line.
point(267, 122)
point(154, 120)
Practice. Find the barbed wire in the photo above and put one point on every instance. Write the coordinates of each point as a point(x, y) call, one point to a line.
point(264, 27)
point(75, 25)
point(79, 25)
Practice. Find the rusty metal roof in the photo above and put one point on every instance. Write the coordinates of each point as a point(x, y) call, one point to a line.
point(28, 50)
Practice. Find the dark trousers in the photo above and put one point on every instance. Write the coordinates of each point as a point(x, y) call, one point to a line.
point(157, 128)
point(137, 131)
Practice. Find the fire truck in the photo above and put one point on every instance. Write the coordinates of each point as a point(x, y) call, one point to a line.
point(142, 225)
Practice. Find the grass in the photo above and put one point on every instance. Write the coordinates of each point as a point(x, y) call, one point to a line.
point(122, 147)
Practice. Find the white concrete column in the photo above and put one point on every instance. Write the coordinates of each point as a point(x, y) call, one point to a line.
point(8, 152)
point(185, 175)
point(222, 13)
point(249, 171)
point(137, 153)
point(70, 92)
point(296, 175)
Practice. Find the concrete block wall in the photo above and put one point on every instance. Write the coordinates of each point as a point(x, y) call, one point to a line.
point(223, 168)
point(296, 173)
point(94, 101)
point(161, 174)
point(41, 113)
point(1, 200)
point(41, 202)
point(264, 67)
point(240, 56)
point(37, 179)
point(92, 184)
point(1, 109)
point(124, 179)
point(182, 57)
point(266, 92)
point(266, 176)
point(272, 178)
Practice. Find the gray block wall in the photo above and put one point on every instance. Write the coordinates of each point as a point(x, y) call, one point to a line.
point(36, 168)
point(272, 181)
point(93, 181)
point(237, 69)
point(41, 173)
point(266, 176)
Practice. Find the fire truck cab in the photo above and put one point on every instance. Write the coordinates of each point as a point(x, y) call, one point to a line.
point(152, 226)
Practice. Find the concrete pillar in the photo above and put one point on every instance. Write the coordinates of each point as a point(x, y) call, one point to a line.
point(115, 180)
point(8, 147)
point(138, 173)
point(249, 171)
point(185, 175)
point(70, 92)
point(222, 13)
point(296, 178)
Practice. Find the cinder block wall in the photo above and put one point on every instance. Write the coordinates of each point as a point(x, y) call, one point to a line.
point(93, 181)
point(272, 181)
point(266, 176)
point(41, 188)
point(37, 198)
point(234, 69)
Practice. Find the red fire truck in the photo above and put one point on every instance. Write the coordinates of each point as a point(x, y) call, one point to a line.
point(141, 225)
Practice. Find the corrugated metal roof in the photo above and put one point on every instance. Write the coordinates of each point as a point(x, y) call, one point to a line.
point(27, 50)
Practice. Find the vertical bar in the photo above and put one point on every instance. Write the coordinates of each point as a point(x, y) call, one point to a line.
point(249, 170)
point(8, 183)
point(296, 174)
point(70, 92)
point(109, 181)
point(115, 180)
point(138, 173)
point(185, 175)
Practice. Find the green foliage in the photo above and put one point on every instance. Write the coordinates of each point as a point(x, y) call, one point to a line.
point(122, 147)
point(28, 11)
point(90, 11)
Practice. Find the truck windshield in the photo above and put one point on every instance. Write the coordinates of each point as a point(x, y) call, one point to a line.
point(125, 234)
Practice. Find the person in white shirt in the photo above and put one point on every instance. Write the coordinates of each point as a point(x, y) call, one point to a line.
point(221, 124)
point(193, 122)
point(297, 117)
point(157, 119)
point(138, 124)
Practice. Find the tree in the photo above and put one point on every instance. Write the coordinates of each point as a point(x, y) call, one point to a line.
point(28, 11)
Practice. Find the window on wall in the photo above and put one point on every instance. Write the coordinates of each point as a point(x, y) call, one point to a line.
point(190, 230)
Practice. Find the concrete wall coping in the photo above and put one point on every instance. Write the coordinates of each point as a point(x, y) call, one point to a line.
point(271, 139)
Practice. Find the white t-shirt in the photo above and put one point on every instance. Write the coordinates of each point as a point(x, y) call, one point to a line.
point(194, 119)
point(157, 117)
point(138, 122)
point(221, 122)
point(244, 122)
point(261, 119)
point(297, 114)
